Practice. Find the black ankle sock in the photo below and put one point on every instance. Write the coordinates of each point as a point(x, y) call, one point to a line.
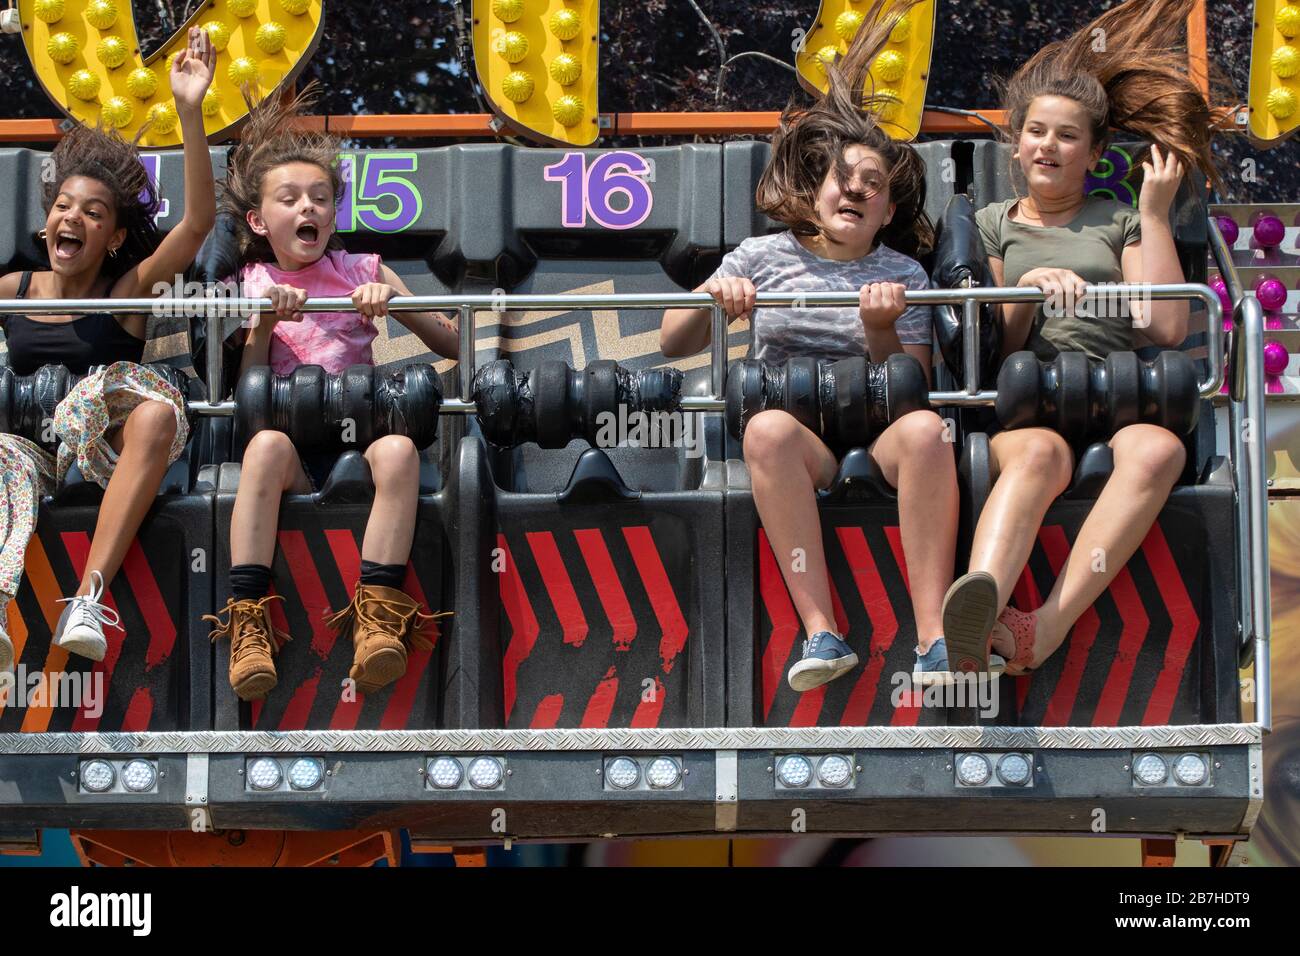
point(383, 575)
point(250, 581)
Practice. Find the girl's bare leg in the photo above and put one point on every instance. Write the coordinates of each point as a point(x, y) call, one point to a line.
point(390, 531)
point(271, 468)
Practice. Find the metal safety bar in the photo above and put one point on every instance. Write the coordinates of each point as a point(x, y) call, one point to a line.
point(1247, 435)
point(467, 306)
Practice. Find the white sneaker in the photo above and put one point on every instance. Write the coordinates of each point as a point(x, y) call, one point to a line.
point(81, 626)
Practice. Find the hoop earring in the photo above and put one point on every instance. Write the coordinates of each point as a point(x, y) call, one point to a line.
point(41, 235)
point(112, 253)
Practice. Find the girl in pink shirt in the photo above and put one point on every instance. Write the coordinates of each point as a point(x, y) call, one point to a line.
point(281, 186)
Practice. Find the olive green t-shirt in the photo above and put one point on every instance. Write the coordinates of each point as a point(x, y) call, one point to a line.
point(1089, 246)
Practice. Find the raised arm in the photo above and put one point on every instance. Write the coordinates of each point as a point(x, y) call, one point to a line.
point(191, 75)
point(1155, 258)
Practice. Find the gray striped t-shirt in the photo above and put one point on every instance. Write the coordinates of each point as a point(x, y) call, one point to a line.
point(778, 263)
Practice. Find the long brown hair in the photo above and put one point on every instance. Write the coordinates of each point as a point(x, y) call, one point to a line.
point(269, 140)
point(102, 155)
point(1127, 70)
point(810, 141)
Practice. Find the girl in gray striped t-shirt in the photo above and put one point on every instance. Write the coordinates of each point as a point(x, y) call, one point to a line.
point(854, 201)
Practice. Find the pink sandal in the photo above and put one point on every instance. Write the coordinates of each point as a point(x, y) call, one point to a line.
point(1024, 628)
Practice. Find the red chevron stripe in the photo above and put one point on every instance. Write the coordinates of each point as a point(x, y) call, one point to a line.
point(1027, 598)
point(548, 712)
point(808, 711)
point(144, 585)
point(77, 546)
point(649, 712)
point(785, 625)
point(908, 713)
point(523, 623)
point(255, 711)
point(591, 542)
point(895, 536)
point(558, 586)
point(347, 558)
point(1185, 623)
point(880, 611)
point(138, 712)
point(1136, 625)
point(298, 711)
point(601, 703)
point(660, 592)
point(397, 713)
point(311, 593)
point(1080, 641)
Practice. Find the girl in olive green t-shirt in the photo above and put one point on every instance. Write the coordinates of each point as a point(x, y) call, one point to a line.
point(1058, 240)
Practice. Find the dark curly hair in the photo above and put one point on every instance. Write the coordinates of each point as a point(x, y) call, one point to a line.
point(810, 142)
point(102, 155)
point(269, 139)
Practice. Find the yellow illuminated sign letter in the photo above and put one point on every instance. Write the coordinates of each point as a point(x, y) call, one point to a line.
point(87, 57)
point(1275, 71)
point(536, 61)
point(900, 72)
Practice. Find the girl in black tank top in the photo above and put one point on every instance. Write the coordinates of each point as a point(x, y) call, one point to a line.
point(125, 423)
point(77, 344)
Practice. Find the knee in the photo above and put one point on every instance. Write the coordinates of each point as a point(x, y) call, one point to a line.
point(269, 451)
point(152, 424)
point(1045, 453)
point(1151, 456)
point(924, 434)
point(392, 458)
point(767, 438)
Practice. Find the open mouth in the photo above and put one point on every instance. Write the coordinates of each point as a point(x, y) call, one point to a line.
point(66, 245)
point(1048, 163)
point(308, 234)
point(850, 212)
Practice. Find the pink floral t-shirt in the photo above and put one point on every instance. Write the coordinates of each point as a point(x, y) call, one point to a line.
point(333, 340)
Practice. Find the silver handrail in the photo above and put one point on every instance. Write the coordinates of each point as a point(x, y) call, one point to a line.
point(1247, 434)
point(467, 306)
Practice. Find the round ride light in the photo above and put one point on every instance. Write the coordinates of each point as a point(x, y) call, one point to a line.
point(566, 24)
point(97, 776)
point(142, 83)
point(1150, 769)
point(794, 771)
point(49, 11)
point(112, 52)
point(508, 10)
point(218, 33)
point(243, 8)
point(117, 112)
point(242, 70)
point(139, 776)
point(264, 774)
point(517, 86)
point(848, 23)
point(162, 118)
point(834, 771)
point(1288, 21)
point(902, 29)
point(84, 85)
point(295, 7)
point(445, 773)
point(1013, 770)
point(1281, 102)
point(101, 14)
point(565, 69)
point(211, 103)
point(1190, 770)
point(270, 37)
point(485, 773)
point(622, 773)
point(63, 48)
point(891, 65)
point(825, 55)
point(513, 46)
point(568, 110)
point(664, 774)
point(306, 773)
point(973, 770)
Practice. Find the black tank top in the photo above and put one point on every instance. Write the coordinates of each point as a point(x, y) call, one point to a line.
point(77, 344)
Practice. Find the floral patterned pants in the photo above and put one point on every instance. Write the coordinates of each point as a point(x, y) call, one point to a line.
point(95, 406)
